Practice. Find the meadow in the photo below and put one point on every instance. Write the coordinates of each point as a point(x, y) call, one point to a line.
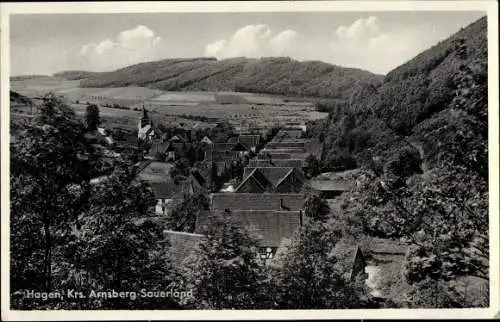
point(240, 109)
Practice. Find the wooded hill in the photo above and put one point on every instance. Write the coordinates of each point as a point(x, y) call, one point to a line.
point(282, 76)
point(412, 99)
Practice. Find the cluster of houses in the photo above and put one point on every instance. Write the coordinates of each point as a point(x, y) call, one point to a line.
point(268, 201)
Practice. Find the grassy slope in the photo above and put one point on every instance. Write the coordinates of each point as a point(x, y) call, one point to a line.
point(282, 76)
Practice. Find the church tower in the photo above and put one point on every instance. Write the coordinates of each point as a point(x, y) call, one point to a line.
point(144, 119)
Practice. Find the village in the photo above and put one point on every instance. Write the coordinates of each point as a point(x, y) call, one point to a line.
point(260, 177)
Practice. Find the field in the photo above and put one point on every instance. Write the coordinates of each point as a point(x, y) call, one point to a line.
point(240, 109)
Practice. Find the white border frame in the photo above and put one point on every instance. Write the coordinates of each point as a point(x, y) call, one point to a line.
point(490, 7)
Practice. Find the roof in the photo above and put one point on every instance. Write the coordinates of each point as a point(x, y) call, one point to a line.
point(285, 144)
point(273, 174)
point(260, 181)
point(330, 185)
point(206, 139)
point(346, 254)
point(155, 171)
point(181, 245)
point(295, 163)
point(164, 190)
point(387, 246)
point(284, 150)
point(159, 147)
point(249, 140)
point(256, 201)
point(293, 134)
point(176, 138)
point(223, 146)
point(269, 226)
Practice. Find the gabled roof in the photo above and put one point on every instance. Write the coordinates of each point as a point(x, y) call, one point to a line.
point(269, 226)
point(273, 174)
point(256, 201)
point(293, 171)
point(206, 139)
point(257, 178)
point(346, 255)
point(159, 147)
point(176, 138)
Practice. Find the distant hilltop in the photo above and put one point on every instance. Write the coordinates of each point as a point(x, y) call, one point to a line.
point(273, 75)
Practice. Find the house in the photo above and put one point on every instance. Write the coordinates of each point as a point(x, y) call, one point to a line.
point(181, 244)
point(206, 140)
point(350, 259)
point(269, 227)
point(271, 179)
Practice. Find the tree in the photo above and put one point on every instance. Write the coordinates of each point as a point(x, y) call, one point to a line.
point(183, 215)
point(49, 159)
point(313, 166)
point(316, 208)
point(308, 275)
point(225, 271)
point(117, 245)
point(181, 168)
point(92, 117)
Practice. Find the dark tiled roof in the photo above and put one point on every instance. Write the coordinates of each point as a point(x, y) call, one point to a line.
point(223, 146)
point(255, 182)
point(269, 226)
point(292, 134)
point(291, 163)
point(330, 185)
point(182, 245)
point(165, 190)
point(273, 174)
point(256, 201)
point(285, 144)
point(249, 140)
point(155, 171)
point(284, 150)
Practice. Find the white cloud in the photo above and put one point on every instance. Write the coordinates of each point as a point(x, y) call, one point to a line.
point(252, 41)
point(366, 44)
point(129, 47)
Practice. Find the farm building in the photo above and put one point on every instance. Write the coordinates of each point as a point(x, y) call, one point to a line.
point(157, 175)
point(269, 227)
point(351, 260)
point(271, 179)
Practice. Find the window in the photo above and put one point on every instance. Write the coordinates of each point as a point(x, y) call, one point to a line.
point(266, 253)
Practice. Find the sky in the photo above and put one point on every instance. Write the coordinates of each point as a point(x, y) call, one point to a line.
point(374, 41)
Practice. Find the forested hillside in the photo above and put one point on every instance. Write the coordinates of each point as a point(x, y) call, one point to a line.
point(412, 97)
point(422, 144)
point(282, 76)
